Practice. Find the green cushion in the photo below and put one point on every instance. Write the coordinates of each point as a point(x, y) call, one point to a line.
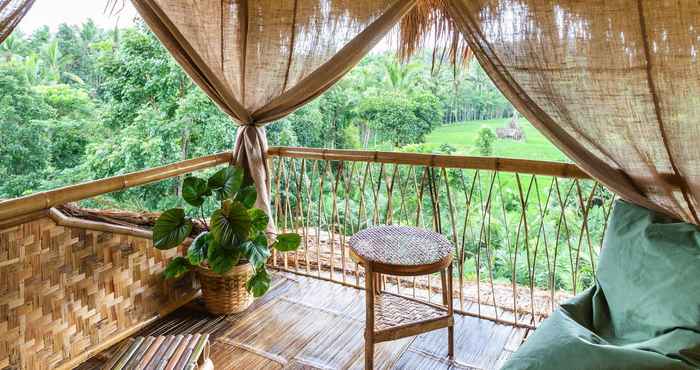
point(643, 313)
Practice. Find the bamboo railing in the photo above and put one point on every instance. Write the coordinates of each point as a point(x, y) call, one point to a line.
point(526, 233)
point(18, 207)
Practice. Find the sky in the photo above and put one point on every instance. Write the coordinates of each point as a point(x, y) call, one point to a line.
point(55, 12)
point(74, 12)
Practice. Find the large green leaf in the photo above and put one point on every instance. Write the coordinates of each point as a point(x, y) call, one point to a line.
point(177, 267)
point(287, 242)
point(231, 222)
point(247, 196)
point(259, 219)
point(171, 229)
point(194, 191)
point(198, 250)
point(221, 259)
point(226, 182)
point(257, 251)
point(259, 283)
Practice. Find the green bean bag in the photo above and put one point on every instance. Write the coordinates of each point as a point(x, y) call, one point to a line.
point(643, 312)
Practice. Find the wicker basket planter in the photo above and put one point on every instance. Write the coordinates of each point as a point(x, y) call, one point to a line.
point(226, 294)
point(237, 234)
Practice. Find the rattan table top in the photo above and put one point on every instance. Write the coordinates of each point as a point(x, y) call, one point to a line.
point(400, 246)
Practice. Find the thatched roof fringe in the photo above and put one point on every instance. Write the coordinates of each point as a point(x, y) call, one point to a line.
point(429, 25)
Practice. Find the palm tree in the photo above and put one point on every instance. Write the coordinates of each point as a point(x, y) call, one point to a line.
point(399, 75)
point(10, 47)
point(33, 69)
point(55, 64)
point(88, 33)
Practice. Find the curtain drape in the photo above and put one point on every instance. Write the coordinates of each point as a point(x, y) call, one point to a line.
point(11, 12)
point(615, 84)
point(259, 60)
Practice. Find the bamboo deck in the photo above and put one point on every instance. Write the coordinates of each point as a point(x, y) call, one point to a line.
point(307, 323)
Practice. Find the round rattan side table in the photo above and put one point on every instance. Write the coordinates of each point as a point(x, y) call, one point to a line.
point(404, 251)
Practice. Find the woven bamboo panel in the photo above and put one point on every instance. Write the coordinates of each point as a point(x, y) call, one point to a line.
point(66, 290)
point(392, 311)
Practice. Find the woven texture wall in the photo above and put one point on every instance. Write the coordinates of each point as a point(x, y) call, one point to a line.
point(64, 291)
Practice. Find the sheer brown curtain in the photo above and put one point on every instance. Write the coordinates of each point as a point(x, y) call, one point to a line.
point(615, 84)
point(11, 12)
point(259, 60)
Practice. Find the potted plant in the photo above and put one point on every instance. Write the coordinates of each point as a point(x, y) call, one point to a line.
point(230, 255)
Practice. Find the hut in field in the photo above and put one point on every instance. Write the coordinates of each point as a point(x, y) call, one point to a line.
point(512, 131)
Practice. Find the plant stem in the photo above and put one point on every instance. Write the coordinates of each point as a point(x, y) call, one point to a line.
point(204, 220)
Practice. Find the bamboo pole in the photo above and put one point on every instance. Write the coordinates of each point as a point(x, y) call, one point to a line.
point(277, 205)
point(44, 200)
point(562, 170)
point(62, 220)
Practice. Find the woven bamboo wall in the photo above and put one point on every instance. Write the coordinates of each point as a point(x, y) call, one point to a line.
point(67, 291)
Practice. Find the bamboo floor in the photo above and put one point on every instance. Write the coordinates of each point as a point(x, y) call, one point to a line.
point(307, 323)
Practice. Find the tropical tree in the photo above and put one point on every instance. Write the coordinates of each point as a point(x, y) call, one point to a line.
point(12, 47)
point(485, 140)
point(400, 76)
point(401, 119)
point(24, 142)
point(72, 125)
point(39, 38)
point(54, 62)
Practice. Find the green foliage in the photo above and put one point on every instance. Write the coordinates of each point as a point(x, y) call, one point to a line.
point(401, 118)
point(220, 259)
point(259, 283)
point(226, 182)
point(237, 230)
point(67, 101)
point(447, 148)
point(199, 249)
point(258, 219)
point(194, 191)
point(177, 267)
point(257, 251)
point(231, 222)
point(247, 196)
point(171, 229)
point(25, 147)
point(485, 140)
point(287, 242)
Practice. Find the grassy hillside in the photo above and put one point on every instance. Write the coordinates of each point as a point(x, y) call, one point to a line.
point(462, 137)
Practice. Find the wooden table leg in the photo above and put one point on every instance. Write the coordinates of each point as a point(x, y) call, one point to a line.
point(369, 314)
point(443, 281)
point(377, 283)
point(450, 312)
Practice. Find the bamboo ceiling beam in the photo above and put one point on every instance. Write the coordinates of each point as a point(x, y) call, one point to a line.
point(523, 166)
point(47, 199)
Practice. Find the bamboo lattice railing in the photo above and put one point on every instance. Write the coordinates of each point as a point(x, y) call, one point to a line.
point(526, 233)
